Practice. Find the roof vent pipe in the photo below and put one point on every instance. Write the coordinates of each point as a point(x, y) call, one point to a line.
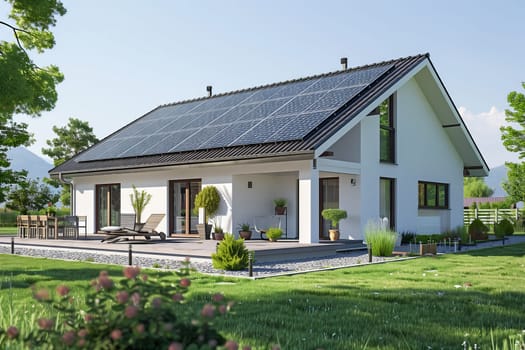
point(344, 63)
point(209, 89)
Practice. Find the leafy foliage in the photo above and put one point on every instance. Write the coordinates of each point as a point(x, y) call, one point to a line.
point(231, 254)
point(514, 140)
point(274, 233)
point(30, 195)
point(71, 139)
point(209, 199)
point(137, 312)
point(25, 87)
point(476, 187)
point(382, 239)
point(477, 230)
point(139, 201)
point(503, 228)
point(334, 215)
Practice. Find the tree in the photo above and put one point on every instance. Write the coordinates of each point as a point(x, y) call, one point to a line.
point(476, 187)
point(514, 140)
point(30, 195)
point(71, 139)
point(25, 88)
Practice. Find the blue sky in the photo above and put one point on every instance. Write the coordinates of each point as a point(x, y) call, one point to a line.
point(123, 58)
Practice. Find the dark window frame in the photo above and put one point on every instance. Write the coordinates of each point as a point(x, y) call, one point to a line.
point(437, 202)
point(391, 130)
point(392, 187)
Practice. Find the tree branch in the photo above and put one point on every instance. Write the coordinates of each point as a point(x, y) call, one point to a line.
point(15, 32)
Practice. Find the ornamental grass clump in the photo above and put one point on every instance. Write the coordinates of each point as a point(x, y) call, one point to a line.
point(231, 254)
point(136, 312)
point(382, 239)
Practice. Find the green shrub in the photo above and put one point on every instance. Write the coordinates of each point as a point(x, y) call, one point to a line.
point(407, 237)
point(478, 231)
point(231, 254)
point(334, 216)
point(382, 240)
point(274, 233)
point(136, 312)
point(503, 228)
point(209, 199)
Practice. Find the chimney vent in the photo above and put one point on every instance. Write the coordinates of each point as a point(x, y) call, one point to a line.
point(344, 63)
point(209, 89)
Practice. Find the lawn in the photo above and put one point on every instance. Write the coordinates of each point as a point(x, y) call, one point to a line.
point(8, 230)
point(432, 302)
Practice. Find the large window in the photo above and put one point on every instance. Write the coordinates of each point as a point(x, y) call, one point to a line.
point(387, 200)
point(108, 205)
point(387, 146)
point(433, 195)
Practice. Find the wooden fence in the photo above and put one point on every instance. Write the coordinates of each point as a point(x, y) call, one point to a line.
point(490, 216)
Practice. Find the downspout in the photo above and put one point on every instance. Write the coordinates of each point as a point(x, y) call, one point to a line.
point(61, 179)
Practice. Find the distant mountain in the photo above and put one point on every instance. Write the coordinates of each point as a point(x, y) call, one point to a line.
point(496, 176)
point(22, 158)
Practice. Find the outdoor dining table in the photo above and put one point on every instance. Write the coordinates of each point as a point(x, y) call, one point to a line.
point(47, 226)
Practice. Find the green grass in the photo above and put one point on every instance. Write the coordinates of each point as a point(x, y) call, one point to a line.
point(8, 230)
point(436, 302)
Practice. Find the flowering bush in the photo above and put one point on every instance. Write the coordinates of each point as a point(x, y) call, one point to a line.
point(136, 312)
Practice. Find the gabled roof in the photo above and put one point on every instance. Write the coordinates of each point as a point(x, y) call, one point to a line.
point(290, 118)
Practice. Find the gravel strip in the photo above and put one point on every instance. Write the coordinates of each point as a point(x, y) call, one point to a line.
point(260, 270)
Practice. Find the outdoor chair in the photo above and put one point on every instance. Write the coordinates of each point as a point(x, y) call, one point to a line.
point(125, 230)
point(261, 224)
point(22, 223)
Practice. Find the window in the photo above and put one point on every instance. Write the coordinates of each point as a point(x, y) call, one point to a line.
point(387, 131)
point(108, 205)
point(387, 200)
point(433, 195)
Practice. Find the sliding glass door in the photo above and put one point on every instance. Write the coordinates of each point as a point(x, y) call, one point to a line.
point(107, 205)
point(182, 198)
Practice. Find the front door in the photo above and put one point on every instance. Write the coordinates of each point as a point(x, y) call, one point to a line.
point(107, 205)
point(182, 198)
point(328, 199)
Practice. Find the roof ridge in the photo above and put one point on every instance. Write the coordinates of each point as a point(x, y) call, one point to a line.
point(366, 66)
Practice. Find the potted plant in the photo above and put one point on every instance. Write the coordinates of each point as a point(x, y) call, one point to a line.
point(209, 199)
point(274, 233)
point(334, 216)
point(280, 206)
point(245, 231)
point(139, 200)
point(218, 233)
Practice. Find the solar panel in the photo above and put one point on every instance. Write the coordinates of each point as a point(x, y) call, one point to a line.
point(280, 112)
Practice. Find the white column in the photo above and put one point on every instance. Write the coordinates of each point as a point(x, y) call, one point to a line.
point(309, 205)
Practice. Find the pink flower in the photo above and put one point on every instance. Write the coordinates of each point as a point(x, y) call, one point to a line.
point(246, 347)
point(131, 311)
point(185, 282)
point(42, 294)
point(12, 332)
point(131, 272)
point(176, 346)
point(69, 338)
point(62, 290)
point(116, 334)
point(140, 328)
point(231, 345)
point(178, 297)
point(222, 309)
point(145, 278)
point(88, 318)
point(156, 303)
point(82, 333)
point(218, 297)
point(122, 297)
point(45, 323)
point(105, 282)
point(135, 298)
point(208, 310)
point(81, 343)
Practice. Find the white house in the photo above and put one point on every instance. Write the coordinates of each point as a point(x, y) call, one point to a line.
point(382, 140)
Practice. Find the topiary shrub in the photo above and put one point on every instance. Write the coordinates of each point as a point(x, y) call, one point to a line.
point(209, 199)
point(334, 216)
point(503, 228)
point(478, 231)
point(231, 254)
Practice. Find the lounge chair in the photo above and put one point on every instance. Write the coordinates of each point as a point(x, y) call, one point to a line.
point(123, 232)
